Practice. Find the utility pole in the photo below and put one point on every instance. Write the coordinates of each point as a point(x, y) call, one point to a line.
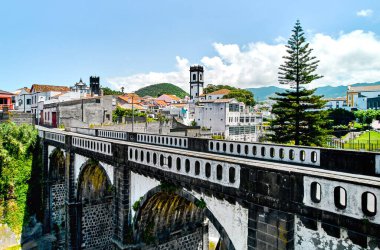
point(133, 114)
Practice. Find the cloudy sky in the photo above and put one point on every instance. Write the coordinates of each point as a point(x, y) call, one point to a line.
point(137, 43)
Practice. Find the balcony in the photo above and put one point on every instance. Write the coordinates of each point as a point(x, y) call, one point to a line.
point(10, 106)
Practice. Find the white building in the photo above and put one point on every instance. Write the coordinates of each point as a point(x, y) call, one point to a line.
point(357, 97)
point(23, 100)
point(219, 94)
point(81, 87)
point(336, 103)
point(230, 118)
point(41, 93)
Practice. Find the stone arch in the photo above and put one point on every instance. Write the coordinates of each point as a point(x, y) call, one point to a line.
point(57, 194)
point(95, 196)
point(186, 208)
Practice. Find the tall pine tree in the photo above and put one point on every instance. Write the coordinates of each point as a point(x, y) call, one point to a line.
point(297, 115)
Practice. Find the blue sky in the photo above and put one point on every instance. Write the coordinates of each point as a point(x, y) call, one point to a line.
point(124, 42)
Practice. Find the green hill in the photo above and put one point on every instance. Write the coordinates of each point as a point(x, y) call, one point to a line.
point(156, 90)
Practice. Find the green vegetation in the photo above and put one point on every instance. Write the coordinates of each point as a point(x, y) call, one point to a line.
point(137, 204)
point(340, 117)
point(367, 140)
point(17, 170)
point(123, 112)
point(200, 203)
point(217, 137)
point(241, 95)
point(365, 117)
point(108, 91)
point(211, 88)
point(156, 90)
point(297, 116)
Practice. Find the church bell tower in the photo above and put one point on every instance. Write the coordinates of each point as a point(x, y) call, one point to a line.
point(196, 82)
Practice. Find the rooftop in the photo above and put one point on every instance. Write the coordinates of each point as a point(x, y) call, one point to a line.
point(47, 88)
point(364, 88)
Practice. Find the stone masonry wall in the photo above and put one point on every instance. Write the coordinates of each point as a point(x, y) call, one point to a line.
point(97, 224)
point(58, 213)
point(193, 241)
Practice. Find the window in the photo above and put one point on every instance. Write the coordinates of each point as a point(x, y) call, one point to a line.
point(28, 101)
point(194, 77)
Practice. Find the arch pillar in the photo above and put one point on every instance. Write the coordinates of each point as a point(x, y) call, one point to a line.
point(72, 211)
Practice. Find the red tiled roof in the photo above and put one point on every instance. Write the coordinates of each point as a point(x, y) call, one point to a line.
point(47, 88)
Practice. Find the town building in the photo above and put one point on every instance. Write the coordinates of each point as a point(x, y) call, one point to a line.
point(218, 115)
point(218, 94)
point(336, 103)
point(81, 87)
point(229, 118)
point(169, 99)
point(359, 97)
point(6, 100)
point(23, 100)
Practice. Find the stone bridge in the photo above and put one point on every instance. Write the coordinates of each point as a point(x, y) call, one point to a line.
point(119, 190)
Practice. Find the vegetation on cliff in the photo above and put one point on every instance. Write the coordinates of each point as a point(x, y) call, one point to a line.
point(17, 146)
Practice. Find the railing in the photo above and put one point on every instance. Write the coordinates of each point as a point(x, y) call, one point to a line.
point(9, 106)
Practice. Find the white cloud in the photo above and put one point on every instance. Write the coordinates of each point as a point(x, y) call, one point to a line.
point(364, 13)
point(349, 58)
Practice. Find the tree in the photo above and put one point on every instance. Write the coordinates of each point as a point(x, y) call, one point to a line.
point(108, 91)
point(340, 116)
point(241, 95)
point(298, 117)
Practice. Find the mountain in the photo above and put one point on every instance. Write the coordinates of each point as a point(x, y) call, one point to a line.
point(263, 93)
point(156, 90)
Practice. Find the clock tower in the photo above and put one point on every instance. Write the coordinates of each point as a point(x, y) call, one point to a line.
point(196, 82)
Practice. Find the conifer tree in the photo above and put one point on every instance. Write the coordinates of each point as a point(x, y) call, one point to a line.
point(298, 117)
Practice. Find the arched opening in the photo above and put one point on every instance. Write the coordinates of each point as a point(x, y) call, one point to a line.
point(57, 195)
point(169, 214)
point(95, 194)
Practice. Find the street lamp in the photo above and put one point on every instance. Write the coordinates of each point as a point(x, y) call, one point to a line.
point(133, 114)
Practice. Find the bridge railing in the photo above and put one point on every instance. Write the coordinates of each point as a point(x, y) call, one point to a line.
point(349, 161)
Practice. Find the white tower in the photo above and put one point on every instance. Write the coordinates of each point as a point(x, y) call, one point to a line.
point(196, 82)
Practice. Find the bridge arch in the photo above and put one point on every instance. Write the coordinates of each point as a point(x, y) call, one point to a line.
point(95, 199)
point(185, 209)
point(57, 194)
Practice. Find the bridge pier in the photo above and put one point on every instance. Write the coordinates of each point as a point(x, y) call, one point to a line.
point(72, 222)
point(270, 229)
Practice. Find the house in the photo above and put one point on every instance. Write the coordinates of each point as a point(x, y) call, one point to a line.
point(219, 94)
point(357, 97)
point(169, 99)
point(6, 100)
point(335, 103)
point(230, 118)
point(23, 100)
point(129, 98)
point(81, 87)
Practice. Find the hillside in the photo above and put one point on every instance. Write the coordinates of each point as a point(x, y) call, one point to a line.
point(263, 93)
point(155, 90)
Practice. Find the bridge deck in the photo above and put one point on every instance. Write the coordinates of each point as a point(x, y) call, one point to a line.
point(312, 171)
